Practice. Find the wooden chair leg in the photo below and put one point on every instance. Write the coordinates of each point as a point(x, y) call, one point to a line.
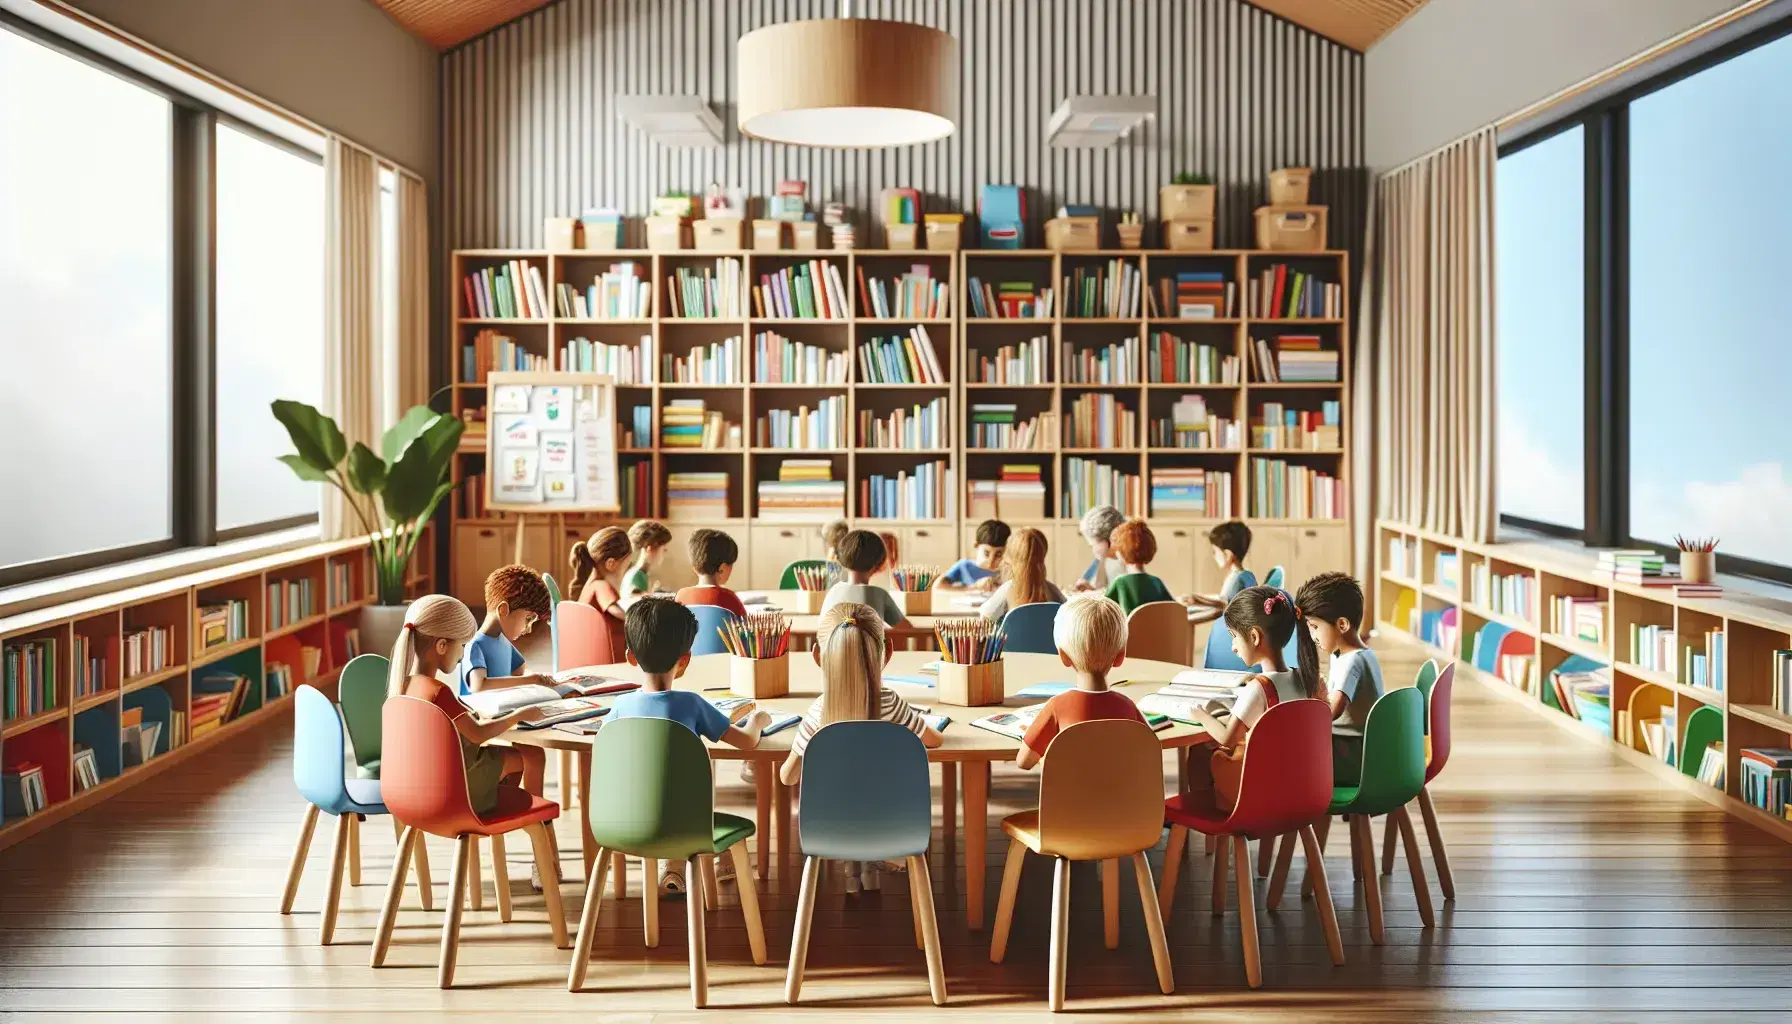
point(1265, 852)
point(1278, 877)
point(1060, 951)
point(1154, 923)
point(914, 914)
point(568, 791)
point(1208, 845)
point(296, 868)
point(1371, 883)
point(1110, 903)
point(420, 859)
point(457, 885)
point(543, 843)
point(699, 957)
point(1173, 853)
point(501, 878)
point(920, 883)
point(619, 877)
point(712, 891)
point(326, 928)
point(749, 901)
point(594, 902)
point(998, 939)
point(1321, 829)
point(1247, 911)
point(1328, 915)
point(1220, 850)
point(475, 882)
point(799, 937)
point(1439, 855)
point(354, 851)
point(650, 901)
point(1387, 846)
point(382, 936)
point(1421, 889)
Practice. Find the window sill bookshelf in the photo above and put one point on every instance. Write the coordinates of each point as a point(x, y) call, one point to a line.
point(18, 726)
point(212, 654)
point(1510, 622)
point(1193, 451)
point(1575, 645)
point(135, 683)
point(304, 623)
point(1295, 451)
point(1156, 321)
point(94, 700)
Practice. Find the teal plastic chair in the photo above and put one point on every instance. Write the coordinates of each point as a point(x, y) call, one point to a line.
point(1029, 628)
point(709, 618)
point(659, 804)
point(361, 692)
point(867, 797)
point(553, 617)
point(1274, 577)
point(787, 579)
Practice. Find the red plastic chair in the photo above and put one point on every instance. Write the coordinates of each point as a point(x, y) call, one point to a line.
point(583, 636)
point(1437, 704)
point(1285, 787)
point(424, 781)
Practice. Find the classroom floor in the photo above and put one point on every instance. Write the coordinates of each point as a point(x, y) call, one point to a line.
point(1586, 890)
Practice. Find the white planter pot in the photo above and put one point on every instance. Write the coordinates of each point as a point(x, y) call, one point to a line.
point(380, 626)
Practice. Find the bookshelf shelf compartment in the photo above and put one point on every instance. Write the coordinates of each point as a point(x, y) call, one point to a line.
point(138, 683)
point(95, 700)
point(209, 655)
point(1764, 714)
point(20, 726)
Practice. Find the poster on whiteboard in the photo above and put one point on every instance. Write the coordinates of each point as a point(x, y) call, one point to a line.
point(551, 443)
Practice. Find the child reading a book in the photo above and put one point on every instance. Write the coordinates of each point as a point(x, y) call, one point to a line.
point(1023, 576)
point(1098, 529)
point(862, 553)
point(1135, 545)
point(597, 568)
point(1332, 605)
point(649, 538)
point(516, 598)
point(1261, 619)
point(1230, 543)
point(660, 633)
point(713, 554)
point(1090, 632)
point(978, 572)
point(850, 647)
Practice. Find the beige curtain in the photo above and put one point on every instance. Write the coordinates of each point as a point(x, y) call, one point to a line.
point(413, 293)
point(351, 304)
point(1432, 258)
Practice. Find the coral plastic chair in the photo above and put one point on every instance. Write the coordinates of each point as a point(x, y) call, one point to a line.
point(1159, 631)
point(866, 797)
point(1029, 627)
point(424, 780)
point(1285, 787)
point(1101, 792)
point(709, 619)
point(582, 636)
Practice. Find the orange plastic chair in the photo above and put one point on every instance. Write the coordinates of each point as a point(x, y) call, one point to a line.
point(1437, 690)
point(1101, 792)
point(424, 781)
point(1160, 631)
point(1286, 786)
point(582, 636)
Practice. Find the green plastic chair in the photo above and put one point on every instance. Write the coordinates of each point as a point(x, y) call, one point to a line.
point(1426, 678)
point(362, 692)
point(787, 581)
point(659, 804)
point(553, 618)
point(1704, 727)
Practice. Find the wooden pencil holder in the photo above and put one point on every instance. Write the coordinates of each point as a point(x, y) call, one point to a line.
point(1698, 566)
point(914, 602)
point(759, 678)
point(804, 602)
point(1130, 235)
point(972, 686)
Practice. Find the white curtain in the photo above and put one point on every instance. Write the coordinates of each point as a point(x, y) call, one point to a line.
point(413, 293)
point(351, 305)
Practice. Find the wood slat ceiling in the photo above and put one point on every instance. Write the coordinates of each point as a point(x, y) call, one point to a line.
point(1357, 24)
point(448, 23)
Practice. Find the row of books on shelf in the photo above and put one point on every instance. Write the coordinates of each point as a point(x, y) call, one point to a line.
point(1194, 295)
point(1193, 491)
point(1446, 569)
point(1581, 618)
point(1782, 682)
point(289, 602)
point(22, 789)
point(823, 427)
point(30, 677)
point(86, 767)
point(1585, 694)
point(147, 650)
point(1765, 778)
point(139, 741)
point(1513, 594)
point(339, 582)
point(90, 664)
point(509, 290)
point(779, 360)
point(1192, 425)
point(1652, 647)
point(218, 697)
point(1645, 568)
point(697, 495)
point(1704, 668)
point(1111, 290)
point(707, 293)
point(901, 359)
point(921, 493)
point(1114, 363)
point(223, 622)
point(1010, 300)
point(997, 425)
point(805, 489)
point(1100, 420)
point(1660, 735)
point(625, 364)
point(635, 488)
point(491, 352)
point(1519, 670)
point(1173, 360)
point(639, 429)
point(1282, 490)
point(619, 293)
point(1403, 557)
point(1024, 362)
point(1711, 765)
point(916, 293)
point(1088, 483)
point(1430, 626)
point(917, 428)
point(1017, 493)
point(718, 362)
point(811, 290)
point(1282, 427)
point(686, 423)
point(1280, 292)
point(1294, 359)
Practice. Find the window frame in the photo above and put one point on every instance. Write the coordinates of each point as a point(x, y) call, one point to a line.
point(1606, 337)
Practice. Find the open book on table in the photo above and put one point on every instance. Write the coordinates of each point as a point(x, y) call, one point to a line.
point(506, 699)
point(1014, 724)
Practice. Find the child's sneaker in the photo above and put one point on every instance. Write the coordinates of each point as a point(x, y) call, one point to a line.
point(868, 876)
point(725, 867)
point(749, 773)
point(671, 882)
point(535, 875)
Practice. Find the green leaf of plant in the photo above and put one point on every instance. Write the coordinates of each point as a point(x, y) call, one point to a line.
point(304, 470)
point(315, 436)
point(414, 479)
point(366, 471)
point(415, 420)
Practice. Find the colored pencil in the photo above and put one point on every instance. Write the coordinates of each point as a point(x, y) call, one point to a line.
point(756, 636)
point(973, 641)
point(914, 579)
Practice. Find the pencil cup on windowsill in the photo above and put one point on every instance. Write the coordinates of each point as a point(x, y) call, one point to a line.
point(1698, 566)
point(759, 678)
point(972, 686)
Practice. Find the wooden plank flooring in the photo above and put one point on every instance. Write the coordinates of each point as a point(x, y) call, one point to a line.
point(1586, 890)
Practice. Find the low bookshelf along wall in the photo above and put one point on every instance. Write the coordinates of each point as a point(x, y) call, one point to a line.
point(1681, 685)
point(918, 392)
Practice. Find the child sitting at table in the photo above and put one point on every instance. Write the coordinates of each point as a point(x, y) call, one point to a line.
point(862, 553)
point(852, 650)
point(713, 554)
point(649, 539)
point(1023, 576)
point(1230, 542)
point(1331, 604)
point(597, 566)
point(1097, 528)
point(979, 571)
point(1090, 633)
point(1136, 546)
point(516, 598)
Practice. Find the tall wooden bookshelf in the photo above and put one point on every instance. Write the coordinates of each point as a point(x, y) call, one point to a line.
point(769, 542)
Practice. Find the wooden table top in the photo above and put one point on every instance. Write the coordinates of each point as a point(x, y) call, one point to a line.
point(963, 742)
point(806, 625)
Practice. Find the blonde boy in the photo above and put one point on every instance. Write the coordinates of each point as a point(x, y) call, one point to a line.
point(1090, 632)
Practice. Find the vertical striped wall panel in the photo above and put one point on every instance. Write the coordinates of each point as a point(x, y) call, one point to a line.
point(531, 129)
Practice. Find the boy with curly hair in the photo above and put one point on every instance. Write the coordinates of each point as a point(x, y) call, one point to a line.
point(516, 598)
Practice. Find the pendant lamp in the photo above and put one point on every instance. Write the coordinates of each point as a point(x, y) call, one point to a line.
point(847, 83)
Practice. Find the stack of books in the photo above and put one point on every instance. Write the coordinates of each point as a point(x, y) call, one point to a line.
point(289, 602)
point(217, 697)
point(1171, 360)
point(694, 293)
point(1088, 483)
point(685, 423)
point(1281, 427)
point(1294, 359)
point(1100, 420)
point(917, 494)
point(805, 489)
point(1191, 425)
point(87, 769)
point(778, 360)
point(1766, 775)
point(1114, 363)
point(718, 362)
point(900, 359)
point(30, 677)
point(1582, 618)
point(1645, 568)
point(1110, 291)
point(619, 293)
point(492, 352)
point(1782, 681)
point(917, 428)
point(279, 680)
point(1652, 647)
point(1280, 490)
point(1010, 300)
point(1705, 669)
point(811, 290)
point(995, 426)
point(1280, 292)
point(339, 580)
point(223, 622)
point(90, 664)
point(512, 290)
point(1514, 594)
point(1195, 295)
point(1585, 695)
point(1026, 362)
point(22, 787)
point(694, 496)
point(146, 650)
point(1191, 491)
point(1018, 494)
point(820, 429)
point(625, 364)
point(916, 294)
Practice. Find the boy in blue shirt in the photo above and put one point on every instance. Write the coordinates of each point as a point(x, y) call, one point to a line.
point(982, 570)
point(516, 598)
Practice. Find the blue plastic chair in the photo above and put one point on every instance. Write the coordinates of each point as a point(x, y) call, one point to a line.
point(709, 618)
point(867, 797)
point(1029, 628)
point(318, 749)
point(1273, 578)
point(1218, 653)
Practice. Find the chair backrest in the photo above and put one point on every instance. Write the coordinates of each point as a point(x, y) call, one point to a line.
point(1437, 691)
point(1029, 628)
point(1427, 675)
point(553, 618)
point(787, 579)
point(709, 618)
point(658, 795)
point(582, 636)
point(1159, 630)
point(1287, 775)
point(1218, 653)
point(866, 793)
point(1393, 753)
point(1101, 790)
point(423, 778)
point(1704, 727)
point(317, 749)
point(361, 692)
point(1274, 577)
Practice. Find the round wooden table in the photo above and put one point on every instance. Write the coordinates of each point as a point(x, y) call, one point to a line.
point(919, 625)
point(968, 751)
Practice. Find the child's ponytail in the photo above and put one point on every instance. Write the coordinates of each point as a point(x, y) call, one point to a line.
point(1271, 612)
point(431, 618)
point(1307, 654)
point(582, 566)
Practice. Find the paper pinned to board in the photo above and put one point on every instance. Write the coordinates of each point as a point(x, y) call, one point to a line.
point(552, 445)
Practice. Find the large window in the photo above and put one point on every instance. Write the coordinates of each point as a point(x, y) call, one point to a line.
point(86, 324)
point(1541, 323)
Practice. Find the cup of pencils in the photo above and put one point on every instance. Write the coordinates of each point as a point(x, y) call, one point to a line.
point(758, 655)
point(912, 586)
point(971, 662)
point(812, 583)
point(1698, 558)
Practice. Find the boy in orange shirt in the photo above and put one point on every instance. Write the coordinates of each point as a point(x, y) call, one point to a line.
point(713, 554)
point(1090, 632)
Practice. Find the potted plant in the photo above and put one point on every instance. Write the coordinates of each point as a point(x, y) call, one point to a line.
point(392, 493)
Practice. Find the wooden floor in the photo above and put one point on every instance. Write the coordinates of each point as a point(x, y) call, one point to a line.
point(1586, 890)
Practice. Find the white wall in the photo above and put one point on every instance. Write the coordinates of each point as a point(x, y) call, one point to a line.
point(1456, 65)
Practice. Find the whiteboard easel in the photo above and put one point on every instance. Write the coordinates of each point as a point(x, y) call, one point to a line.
point(550, 446)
